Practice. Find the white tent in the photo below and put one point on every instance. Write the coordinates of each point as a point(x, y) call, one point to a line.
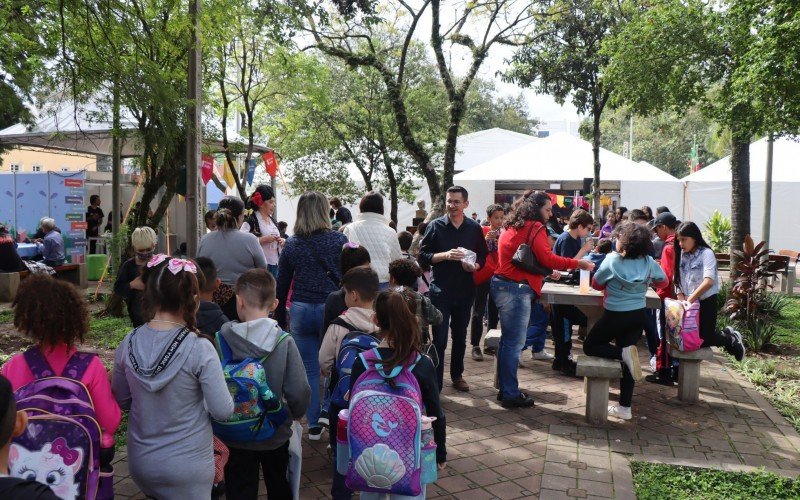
point(709, 189)
point(567, 160)
point(471, 149)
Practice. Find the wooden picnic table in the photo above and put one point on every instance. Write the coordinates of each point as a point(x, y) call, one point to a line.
point(590, 304)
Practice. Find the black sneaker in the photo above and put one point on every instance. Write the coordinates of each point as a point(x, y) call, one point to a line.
point(499, 396)
point(315, 433)
point(556, 365)
point(656, 378)
point(569, 368)
point(737, 350)
point(323, 419)
point(521, 401)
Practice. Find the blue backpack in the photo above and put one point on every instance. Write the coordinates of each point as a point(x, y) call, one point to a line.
point(353, 344)
point(257, 411)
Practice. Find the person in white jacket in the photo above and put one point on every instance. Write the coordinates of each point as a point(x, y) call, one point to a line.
point(371, 230)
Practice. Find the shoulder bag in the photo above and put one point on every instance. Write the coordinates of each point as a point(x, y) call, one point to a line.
point(525, 259)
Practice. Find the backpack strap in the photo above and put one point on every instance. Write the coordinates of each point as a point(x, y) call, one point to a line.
point(223, 349)
point(372, 359)
point(37, 363)
point(77, 365)
point(339, 321)
point(284, 336)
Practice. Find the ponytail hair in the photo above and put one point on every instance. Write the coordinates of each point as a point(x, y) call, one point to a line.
point(228, 211)
point(395, 313)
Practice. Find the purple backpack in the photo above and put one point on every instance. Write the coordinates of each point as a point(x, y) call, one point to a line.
point(384, 429)
point(61, 444)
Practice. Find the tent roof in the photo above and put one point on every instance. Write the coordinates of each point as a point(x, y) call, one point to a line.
point(561, 157)
point(86, 130)
point(479, 147)
point(785, 163)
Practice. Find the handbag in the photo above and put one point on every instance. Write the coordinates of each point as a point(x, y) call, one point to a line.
point(525, 259)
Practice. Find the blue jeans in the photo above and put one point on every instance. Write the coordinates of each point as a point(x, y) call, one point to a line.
point(305, 324)
point(537, 328)
point(514, 303)
point(273, 270)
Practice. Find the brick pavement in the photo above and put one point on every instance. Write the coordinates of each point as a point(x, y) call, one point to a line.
point(550, 452)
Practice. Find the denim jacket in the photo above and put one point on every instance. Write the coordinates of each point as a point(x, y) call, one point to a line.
point(696, 266)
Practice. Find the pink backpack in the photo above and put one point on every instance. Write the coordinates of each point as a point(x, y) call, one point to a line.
point(683, 325)
point(384, 429)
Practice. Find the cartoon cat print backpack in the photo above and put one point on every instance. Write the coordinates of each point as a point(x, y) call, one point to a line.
point(384, 429)
point(61, 444)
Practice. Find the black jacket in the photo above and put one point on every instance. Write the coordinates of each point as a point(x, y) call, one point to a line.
point(210, 318)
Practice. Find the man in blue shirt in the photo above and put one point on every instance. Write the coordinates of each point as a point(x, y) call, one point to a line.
point(563, 317)
point(452, 288)
point(52, 247)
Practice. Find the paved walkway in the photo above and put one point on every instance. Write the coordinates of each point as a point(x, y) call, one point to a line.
point(550, 452)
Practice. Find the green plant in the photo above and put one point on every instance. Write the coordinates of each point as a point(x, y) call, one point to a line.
point(108, 331)
point(778, 380)
point(718, 232)
point(748, 304)
point(652, 481)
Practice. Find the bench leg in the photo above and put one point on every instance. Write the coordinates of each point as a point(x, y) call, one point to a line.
point(496, 374)
point(9, 282)
point(596, 400)
point(689, 381)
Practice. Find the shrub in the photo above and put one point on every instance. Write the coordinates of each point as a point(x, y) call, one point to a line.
point(718, 232)
point(749, 303)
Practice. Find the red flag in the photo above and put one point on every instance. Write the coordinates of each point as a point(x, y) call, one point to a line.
point(207, 169)
point(270, 163)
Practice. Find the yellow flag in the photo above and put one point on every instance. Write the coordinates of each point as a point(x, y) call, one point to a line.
point(560, 200)
point(228, 175)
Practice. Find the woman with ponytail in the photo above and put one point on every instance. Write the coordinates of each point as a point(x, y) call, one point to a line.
point(171, 382)
point(233, 252)
point(263, 226)
point(396, 318)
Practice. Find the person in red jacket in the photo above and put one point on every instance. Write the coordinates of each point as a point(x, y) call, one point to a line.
point(513, 289)
point(482, 277)
point(664, 226)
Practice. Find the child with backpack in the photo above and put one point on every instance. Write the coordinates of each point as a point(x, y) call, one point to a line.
point(625, 277)
point(49, 377)
point(404, 273)
point(353, 332)
point(353, 255)
point(171, 381)
point(210, 317)
point(394, 379)
point(12, 425)
point(267, 378)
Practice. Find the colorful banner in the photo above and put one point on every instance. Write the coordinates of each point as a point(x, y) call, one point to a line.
point(553, 198)
point(270, 163)
point(207, 170)
point(568, 201)
point(560, 200)
point(251, 170)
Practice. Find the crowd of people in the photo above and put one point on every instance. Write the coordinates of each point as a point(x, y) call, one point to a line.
point(348, 328)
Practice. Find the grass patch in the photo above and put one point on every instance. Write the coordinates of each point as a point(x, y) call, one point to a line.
point(658, 481)
point(7, 316)
point(121, 436)
point(787, 326)
point(778, 379)
point(108, 332)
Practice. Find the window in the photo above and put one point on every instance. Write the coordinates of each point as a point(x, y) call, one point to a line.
point(15, 167)
point(37, 168)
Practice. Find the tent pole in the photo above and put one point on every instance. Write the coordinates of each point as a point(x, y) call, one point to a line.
point(194, 131)
point(767, 191)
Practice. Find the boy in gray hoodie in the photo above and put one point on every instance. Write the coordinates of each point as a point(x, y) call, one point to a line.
point(258, 337)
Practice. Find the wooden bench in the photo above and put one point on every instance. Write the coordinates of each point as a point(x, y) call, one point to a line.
point(74, 273)
point(689, 372)
point(787, 284)
point(597, 373)
point(723, 260)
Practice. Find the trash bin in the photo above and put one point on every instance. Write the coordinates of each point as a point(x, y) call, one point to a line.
point(95, 265)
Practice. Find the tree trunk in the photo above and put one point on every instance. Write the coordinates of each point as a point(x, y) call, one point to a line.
point(596, 155)
point(740, 193)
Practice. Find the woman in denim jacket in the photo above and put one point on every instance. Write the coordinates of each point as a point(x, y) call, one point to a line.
point(696, 279)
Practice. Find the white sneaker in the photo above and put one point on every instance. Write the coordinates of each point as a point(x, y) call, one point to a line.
point(623, 412)
point(653, 364)
point(542, 356)
point(630, 356)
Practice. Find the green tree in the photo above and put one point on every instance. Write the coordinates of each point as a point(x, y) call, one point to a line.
point(732, 61)
point(566, 62)
point(359, 38)
point(663, 139)
point(487, 109)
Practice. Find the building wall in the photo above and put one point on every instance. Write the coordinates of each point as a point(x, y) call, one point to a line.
point(48, 161)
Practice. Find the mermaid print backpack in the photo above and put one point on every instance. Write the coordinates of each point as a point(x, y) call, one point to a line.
point(61, 444)
point(384, 429)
